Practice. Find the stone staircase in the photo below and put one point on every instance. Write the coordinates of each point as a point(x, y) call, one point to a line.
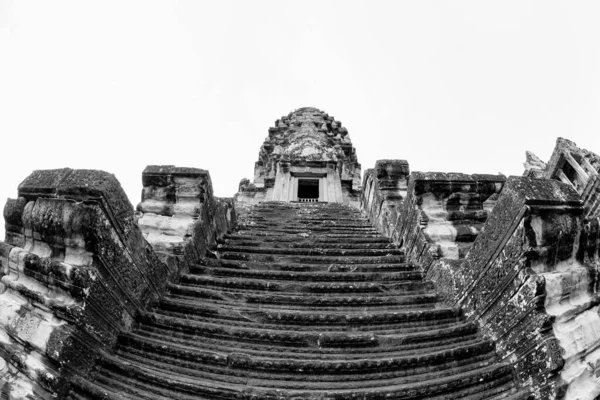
point(304, 301)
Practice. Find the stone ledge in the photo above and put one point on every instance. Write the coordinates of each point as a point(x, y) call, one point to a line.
point(158, 174)
point(543, 191)
point(455, 176)
point(81, 185)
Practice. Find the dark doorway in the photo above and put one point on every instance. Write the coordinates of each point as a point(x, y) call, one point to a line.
point(308, 189)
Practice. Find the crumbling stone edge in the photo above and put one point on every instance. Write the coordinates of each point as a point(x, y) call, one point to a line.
point(529, 279)
point(76, 269)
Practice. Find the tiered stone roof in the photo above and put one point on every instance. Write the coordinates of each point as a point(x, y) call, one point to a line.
point(308, 136)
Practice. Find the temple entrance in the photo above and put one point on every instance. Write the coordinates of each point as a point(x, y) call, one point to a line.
point(303, 186)
point(308, 190)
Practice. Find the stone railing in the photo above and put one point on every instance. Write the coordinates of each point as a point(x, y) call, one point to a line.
point(75, 271)
point(521, 280)
point(529, 278)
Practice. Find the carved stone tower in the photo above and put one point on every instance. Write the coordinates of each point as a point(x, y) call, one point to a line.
point(308, 157)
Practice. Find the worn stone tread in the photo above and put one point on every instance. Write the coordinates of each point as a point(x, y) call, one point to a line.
point(312, 276)
point(312, 251)
point(261, 348)
point(382, 387)
point(290, 266)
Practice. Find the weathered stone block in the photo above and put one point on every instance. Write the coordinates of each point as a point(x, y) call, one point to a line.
point(180, 217)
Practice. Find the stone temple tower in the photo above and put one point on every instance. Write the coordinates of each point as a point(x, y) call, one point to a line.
point(307, 157)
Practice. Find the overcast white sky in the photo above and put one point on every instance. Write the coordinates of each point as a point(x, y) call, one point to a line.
point(461, 86)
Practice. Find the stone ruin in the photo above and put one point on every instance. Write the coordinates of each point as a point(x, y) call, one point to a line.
point(307, 284)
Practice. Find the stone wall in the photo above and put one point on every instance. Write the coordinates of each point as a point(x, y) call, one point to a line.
point(453, 208)
point(179, 215)
point(435, 217)
point(529, 278)
point(433, 213)
point(75, 270)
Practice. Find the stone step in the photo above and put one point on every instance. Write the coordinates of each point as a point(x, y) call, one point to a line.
point(132, 383)
point(305, 212)
point(323, 225)
point(294, 228)
point(395, 320)
point(312, 235)
point(296, 300)
point(311, 304)
point(130, 376)
point(316, 276)
point(289, 335)
point(308, 209)
point(305, 267)
point(510, 393)
point(273, 205)
point(337, 220)
point(293, 224)
point(83, 389)
point(332, 218)
point(314, 251)
point(275, 215)
point(291, 227)
point(329, 371)
point(296, 244)
point(322, 218)
point(345, 260)
point(490, 391)
point(322, 239)
point(403, 286)
point(413, 341)
point(78, 395)
point(232, 373)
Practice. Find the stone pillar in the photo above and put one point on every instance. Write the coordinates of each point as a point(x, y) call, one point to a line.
point(293, 189)
point(329, 185)
point(278, 187)
point(323, 197)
